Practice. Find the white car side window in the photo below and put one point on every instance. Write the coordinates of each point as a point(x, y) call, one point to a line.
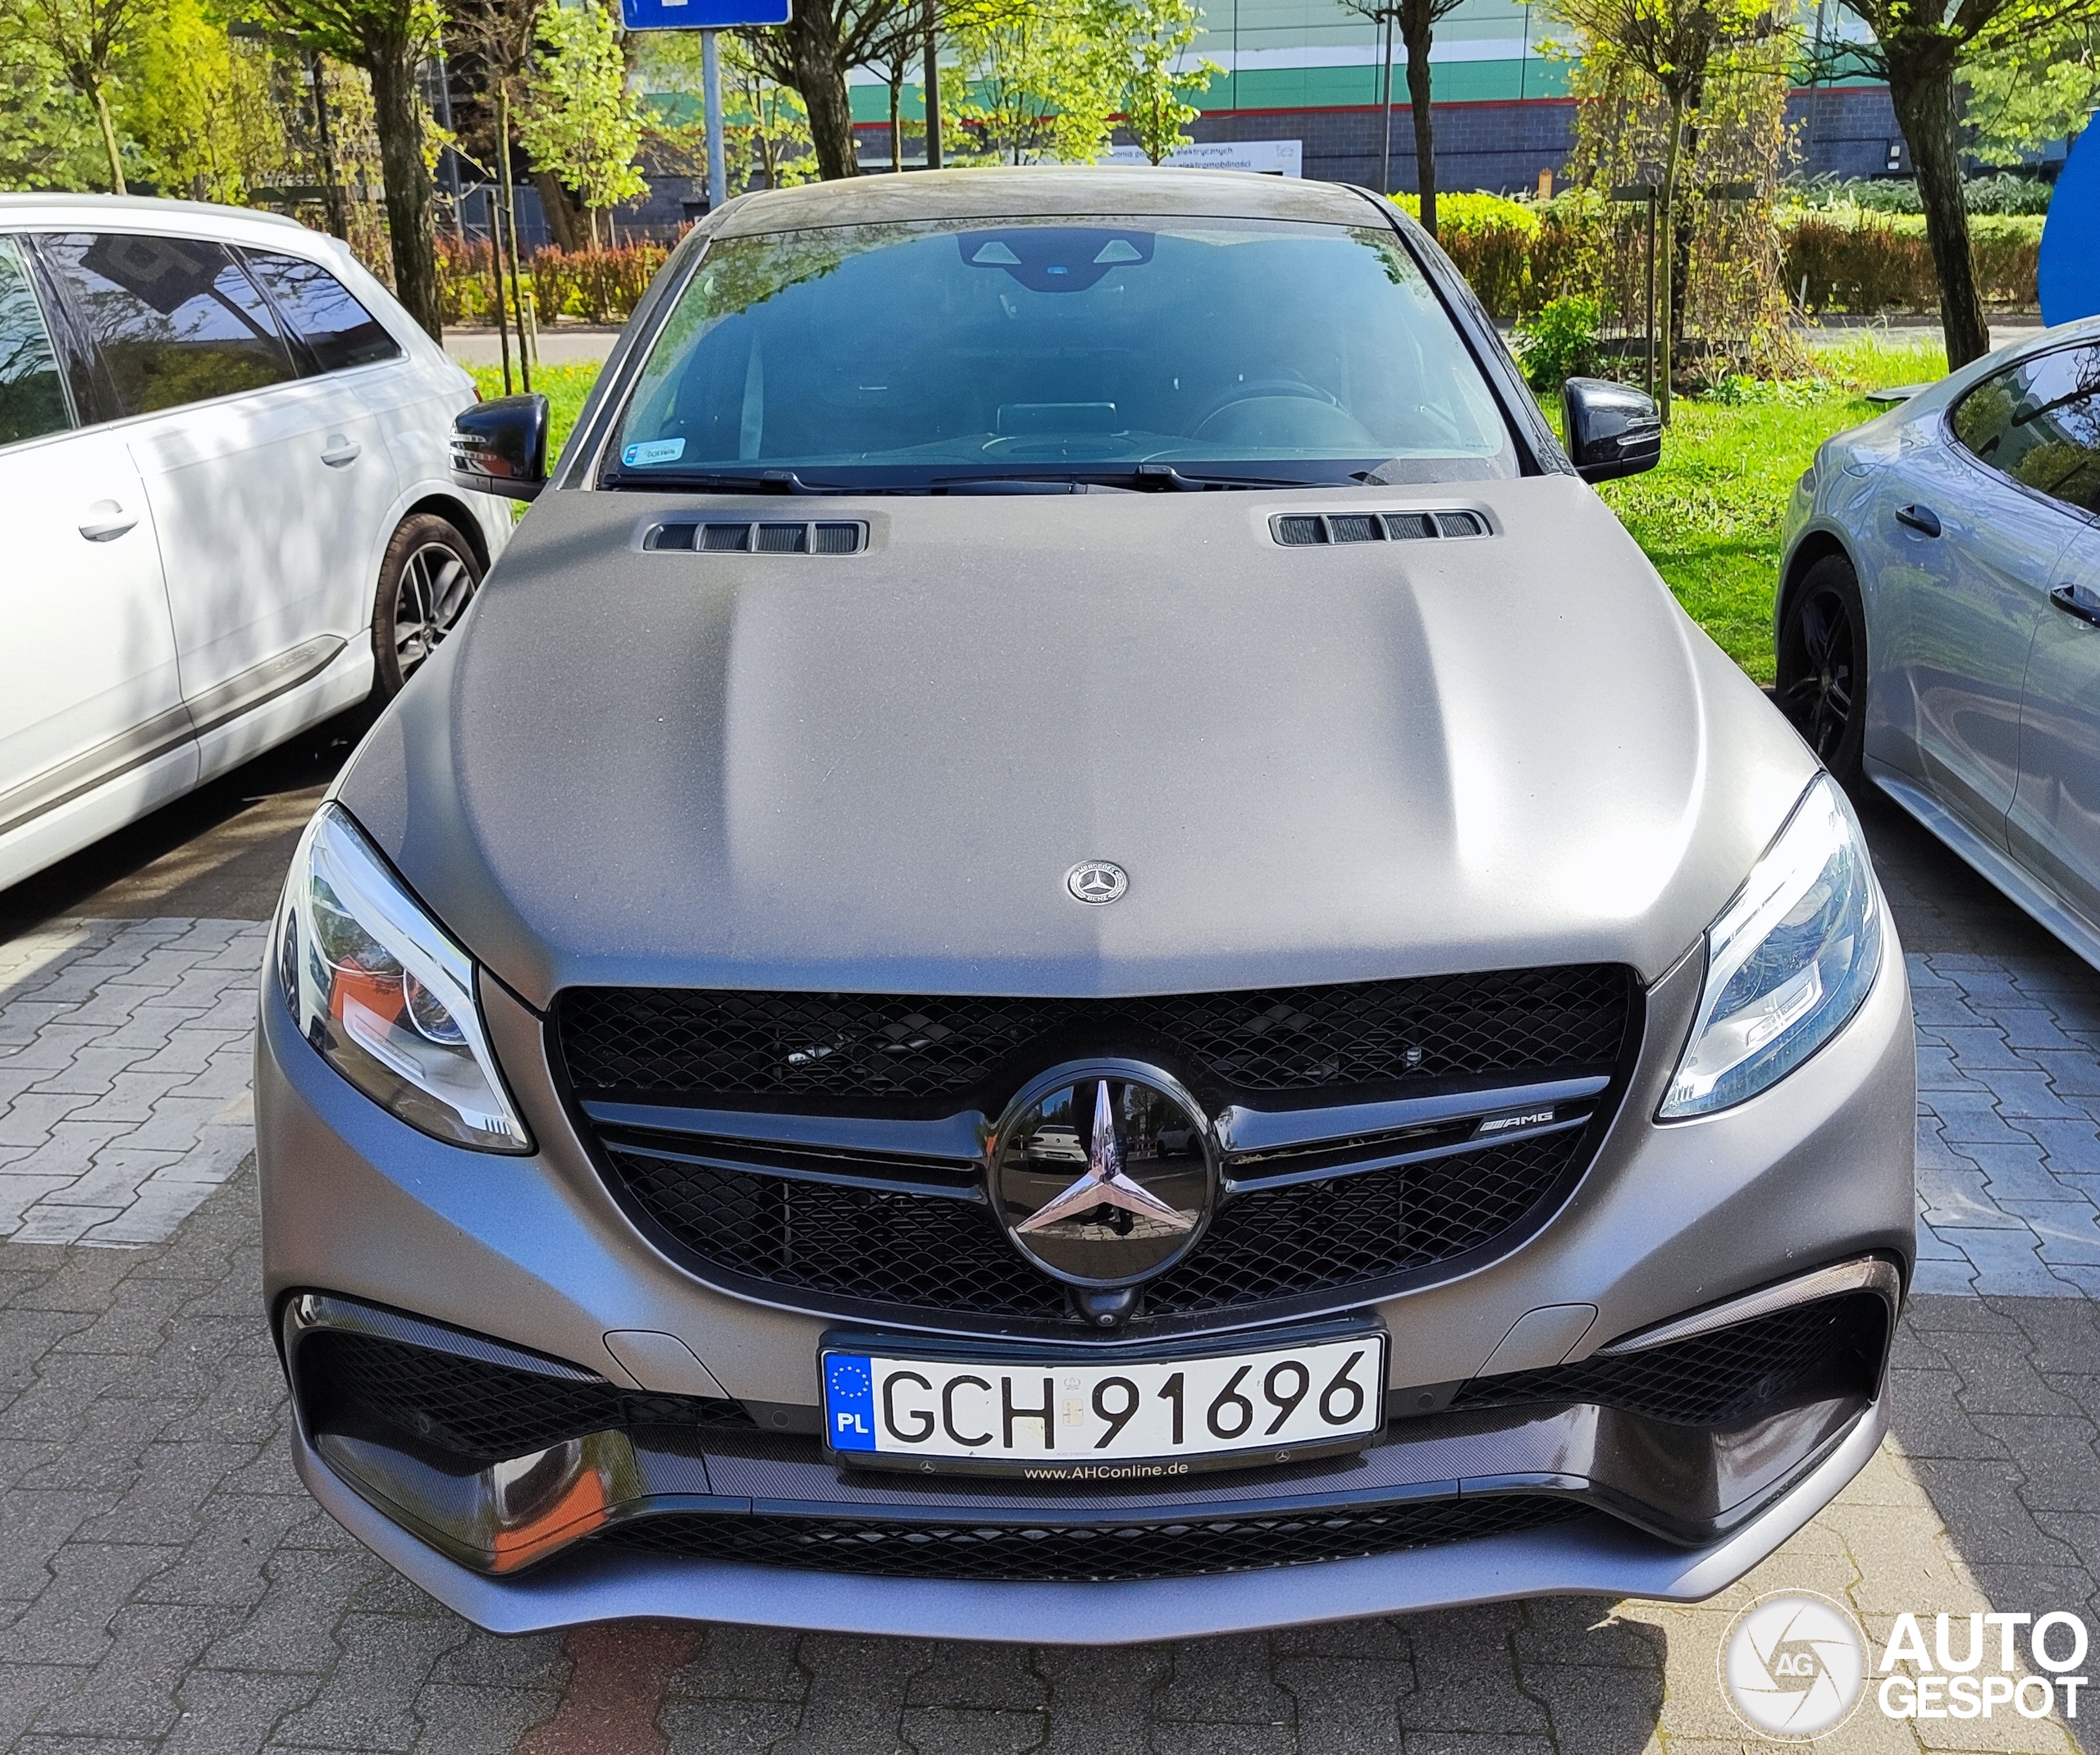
point(177, 320)
point(34, 399)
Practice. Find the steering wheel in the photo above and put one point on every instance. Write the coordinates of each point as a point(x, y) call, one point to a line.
point(1259, 389)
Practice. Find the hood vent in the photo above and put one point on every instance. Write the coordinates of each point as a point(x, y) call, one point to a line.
point(1299, 530)
point(743, 536)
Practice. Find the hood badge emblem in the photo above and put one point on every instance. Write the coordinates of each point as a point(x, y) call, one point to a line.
point(1097, 882)
point(1105, 1184)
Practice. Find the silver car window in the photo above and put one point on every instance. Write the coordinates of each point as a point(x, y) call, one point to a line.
point(33, 395)
point(1081, 342)
point(2039, 422)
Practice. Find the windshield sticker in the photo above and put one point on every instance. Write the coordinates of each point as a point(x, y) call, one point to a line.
point(654, 451)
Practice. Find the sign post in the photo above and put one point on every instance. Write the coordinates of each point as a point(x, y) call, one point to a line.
point(707, 18)
point(717, 172)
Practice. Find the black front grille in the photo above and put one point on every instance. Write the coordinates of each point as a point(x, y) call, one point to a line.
point(1066, 1552)
point(1833, 1347)
point(697, 1046)
point(473, 1408)
point(936, 1253)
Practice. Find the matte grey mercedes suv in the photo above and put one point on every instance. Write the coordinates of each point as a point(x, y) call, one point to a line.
point(1074, 950)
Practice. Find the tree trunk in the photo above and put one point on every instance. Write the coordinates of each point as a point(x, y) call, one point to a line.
point(1921, 86)
point(932, 88)
point(1680, 241)
point(109, 140)
point(409, 226)
point(332, 203)
point(565, 218)
point(1666, 254)
point(821, 82)
point(529, 348)
point(1417, 32)
point(897, 115)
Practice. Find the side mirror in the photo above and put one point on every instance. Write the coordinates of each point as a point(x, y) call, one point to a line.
point(1613, 429)
point(500, 447)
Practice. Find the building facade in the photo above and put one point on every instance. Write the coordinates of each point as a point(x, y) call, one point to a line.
point(1311, 70)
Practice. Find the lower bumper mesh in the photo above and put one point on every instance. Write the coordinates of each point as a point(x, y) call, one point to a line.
point(1081, 1553)
point(1833, 1346)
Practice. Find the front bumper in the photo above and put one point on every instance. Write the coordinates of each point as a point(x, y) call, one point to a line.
point(1594, 1556)
point(360, 1209)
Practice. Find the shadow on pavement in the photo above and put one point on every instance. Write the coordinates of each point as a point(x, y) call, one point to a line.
point(219, 853)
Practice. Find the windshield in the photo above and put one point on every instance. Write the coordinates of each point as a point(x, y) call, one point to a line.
point(907, 352)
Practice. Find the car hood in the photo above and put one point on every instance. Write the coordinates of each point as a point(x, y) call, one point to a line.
point(873, 771)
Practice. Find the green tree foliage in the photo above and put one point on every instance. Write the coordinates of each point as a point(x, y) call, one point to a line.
point(1153, 37)
point(1920, 47)
point(82, 40)
point(48, 139)
point(579, 118)
point(207, 111)
point(2030, 91)
point(1669, 46)
point(387, 38)
point(1039, 78)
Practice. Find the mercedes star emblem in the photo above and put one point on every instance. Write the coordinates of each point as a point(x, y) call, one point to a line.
point(1104, 1172)
point(1105, 1184)
point(1097, 881)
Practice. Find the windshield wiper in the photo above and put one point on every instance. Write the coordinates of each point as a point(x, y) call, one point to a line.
point(731, 481)
point(1142, 478)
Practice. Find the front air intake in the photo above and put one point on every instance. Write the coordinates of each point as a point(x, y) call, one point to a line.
point(1304, 530)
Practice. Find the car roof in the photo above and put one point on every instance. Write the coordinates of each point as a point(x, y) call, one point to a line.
point(1045, 191)
point(205, 218)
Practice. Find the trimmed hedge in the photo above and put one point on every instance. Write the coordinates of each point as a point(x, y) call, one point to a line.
point(1854, 260)
point(1520, 255)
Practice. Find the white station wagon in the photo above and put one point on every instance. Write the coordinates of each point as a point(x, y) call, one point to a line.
point(224, 489)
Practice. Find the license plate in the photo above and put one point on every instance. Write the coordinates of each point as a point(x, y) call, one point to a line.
point(1069, 1419)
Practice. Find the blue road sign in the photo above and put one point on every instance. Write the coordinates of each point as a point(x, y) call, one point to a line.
point(2070, 258)
point(701, 15)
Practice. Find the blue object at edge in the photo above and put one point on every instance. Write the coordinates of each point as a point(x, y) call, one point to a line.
point(2070, 277)
point(701, 15)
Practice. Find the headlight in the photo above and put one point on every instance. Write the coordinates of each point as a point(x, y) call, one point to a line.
point(1787, 963)
point(383, 993)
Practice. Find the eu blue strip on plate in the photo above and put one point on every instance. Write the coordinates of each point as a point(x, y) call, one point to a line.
point(850, 1401)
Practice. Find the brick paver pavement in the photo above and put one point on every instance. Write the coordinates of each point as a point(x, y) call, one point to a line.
point(125, 1066)
point(165, 1584)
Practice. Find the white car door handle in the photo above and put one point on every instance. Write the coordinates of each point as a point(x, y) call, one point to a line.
point(106, 520)
point(340, 451)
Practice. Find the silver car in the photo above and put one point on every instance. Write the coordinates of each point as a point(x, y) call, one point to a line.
point(1939, 617)
point(662, 1008)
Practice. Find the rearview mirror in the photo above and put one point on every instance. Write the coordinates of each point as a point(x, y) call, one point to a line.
point(1613, 429)
point(500, 447)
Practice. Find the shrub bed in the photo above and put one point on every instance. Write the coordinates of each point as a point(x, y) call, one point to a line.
point(1520, 255)
point(593, 286)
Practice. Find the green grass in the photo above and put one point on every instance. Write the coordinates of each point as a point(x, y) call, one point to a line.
point(1708, 517)
point(564, 386)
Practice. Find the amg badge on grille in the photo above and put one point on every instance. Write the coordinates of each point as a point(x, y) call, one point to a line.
point(1102, 1173)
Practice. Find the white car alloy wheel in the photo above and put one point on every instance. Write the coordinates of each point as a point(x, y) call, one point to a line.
point(430, 576)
